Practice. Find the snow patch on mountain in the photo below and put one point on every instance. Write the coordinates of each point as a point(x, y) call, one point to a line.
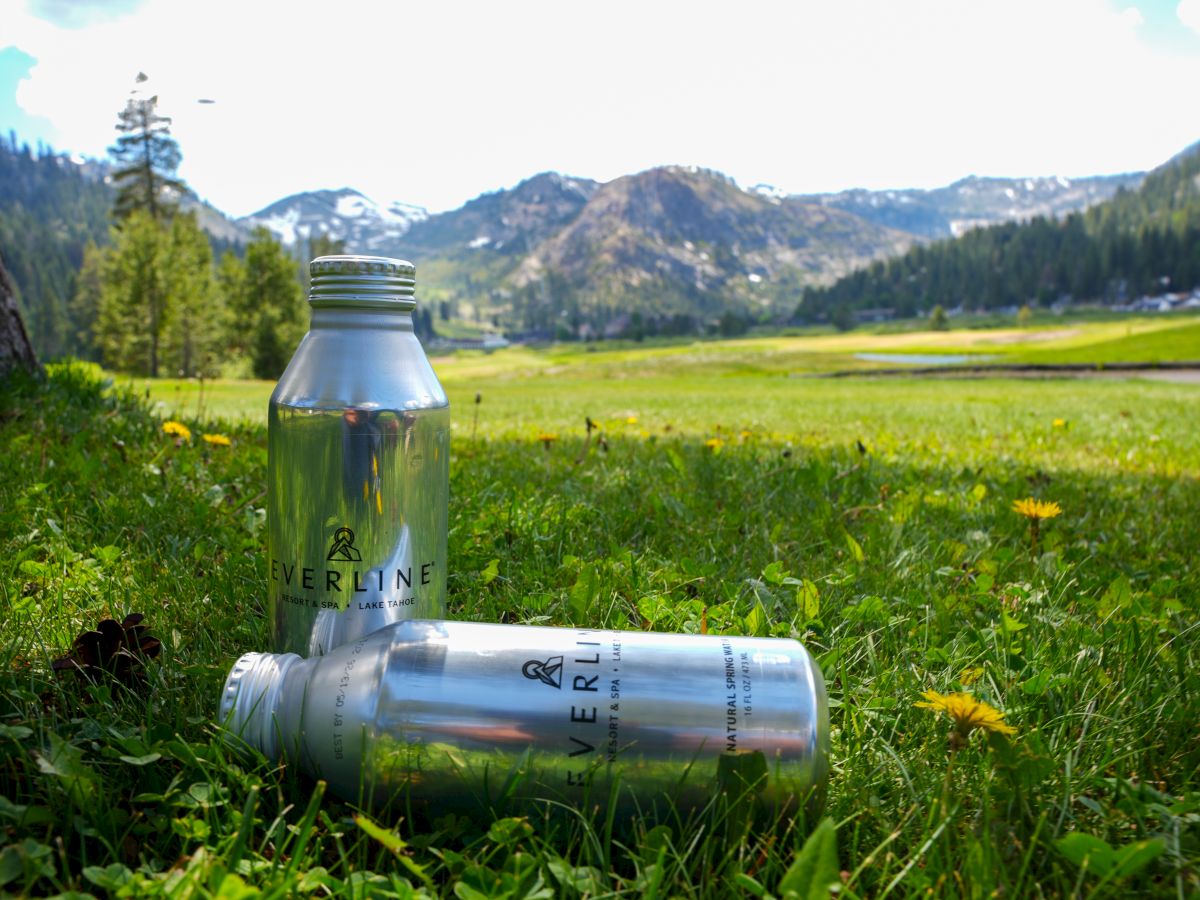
point(347, 215)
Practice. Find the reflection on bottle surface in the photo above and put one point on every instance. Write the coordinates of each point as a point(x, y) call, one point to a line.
point(458, 716)
point(364, 548)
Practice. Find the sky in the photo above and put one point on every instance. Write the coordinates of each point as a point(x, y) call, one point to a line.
point(434, 103)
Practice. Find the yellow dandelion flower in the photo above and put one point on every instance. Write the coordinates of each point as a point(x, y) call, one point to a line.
point(746, 435)
point(632, 420)
point(966, 712)
point(177, 429)
point(547, 439)
point(1060, 423)
point(1036, 509)
point(714, 443)
point(971, 674)
point(216, 440)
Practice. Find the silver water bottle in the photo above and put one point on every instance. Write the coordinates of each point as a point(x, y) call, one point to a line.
point(358, 436)
point(463, 716)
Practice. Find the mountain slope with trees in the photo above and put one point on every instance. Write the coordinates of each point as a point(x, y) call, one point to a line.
point(673, 241)
point(51, 210)
point(675, 248)
point(1139, 242)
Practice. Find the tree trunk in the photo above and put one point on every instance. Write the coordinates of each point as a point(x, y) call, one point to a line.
point(15, 350)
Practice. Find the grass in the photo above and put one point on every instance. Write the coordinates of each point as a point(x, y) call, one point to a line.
point(678, 369)
point(871, 519)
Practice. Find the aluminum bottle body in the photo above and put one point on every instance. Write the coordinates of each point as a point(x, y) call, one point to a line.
point(358, 436)
point(459, 716)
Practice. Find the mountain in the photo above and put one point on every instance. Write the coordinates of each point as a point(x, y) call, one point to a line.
point(1169, 195)
point(677, 247)
point(365, 226)
point(689, 240)
point(223, 231)
point(974, 202)
point(511, 221)
point(1140, 242)
point(667, 241)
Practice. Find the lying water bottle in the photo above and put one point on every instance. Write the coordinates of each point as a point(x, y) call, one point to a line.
point(459, 716)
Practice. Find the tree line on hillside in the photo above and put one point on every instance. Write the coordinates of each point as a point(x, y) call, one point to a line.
point(1141, 242)
point(50, 208)
point(116, 272)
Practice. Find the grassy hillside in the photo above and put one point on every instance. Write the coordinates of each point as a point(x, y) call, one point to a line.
point(871, 519)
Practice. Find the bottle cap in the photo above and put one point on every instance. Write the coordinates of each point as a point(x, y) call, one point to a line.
point(359, 280)
point(251, 696)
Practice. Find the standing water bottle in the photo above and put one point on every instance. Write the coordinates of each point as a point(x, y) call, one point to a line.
point(358, 436)
point(463, 716)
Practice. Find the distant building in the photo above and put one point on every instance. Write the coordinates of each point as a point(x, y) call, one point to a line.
point(1162, 303)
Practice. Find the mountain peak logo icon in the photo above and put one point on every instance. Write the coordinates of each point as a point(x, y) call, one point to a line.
point(548, 672)
point(343, 549)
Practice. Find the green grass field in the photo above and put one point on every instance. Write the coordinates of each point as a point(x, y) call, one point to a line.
point(870, 518)
point(694, 377)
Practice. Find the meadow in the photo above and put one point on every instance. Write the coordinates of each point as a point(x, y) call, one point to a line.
point(727, 490)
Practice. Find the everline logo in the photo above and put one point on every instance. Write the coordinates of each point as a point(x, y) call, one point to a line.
point(343, 550)
point(357, 582)
point(548, 672)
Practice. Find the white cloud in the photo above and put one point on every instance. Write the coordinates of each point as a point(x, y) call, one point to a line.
point(1132, 16)
point(434, 103)
point(1189, 14)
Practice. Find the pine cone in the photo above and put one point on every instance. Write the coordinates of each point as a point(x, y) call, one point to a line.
point(115, 650)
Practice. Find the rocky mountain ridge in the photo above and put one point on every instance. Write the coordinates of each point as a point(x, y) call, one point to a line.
point(667, 241)
point(345, 214)
point(975, 202)
point(525, 214)
point(688, 239)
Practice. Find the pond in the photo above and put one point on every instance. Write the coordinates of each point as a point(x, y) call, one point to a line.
point(924, 359)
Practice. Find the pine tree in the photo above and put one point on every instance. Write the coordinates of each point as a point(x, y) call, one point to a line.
point(230, 277)
point(325, 245)
point(267, 314)
point(146, 157)
point(196, 327)
point(133, 312)
point(316, 245)
point(84, 304)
